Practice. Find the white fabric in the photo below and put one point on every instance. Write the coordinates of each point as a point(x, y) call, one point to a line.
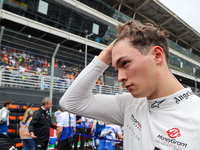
point(64, 120)
point(89, 120)
point(23, 55)
point(4, 115)
point(23, 130)
point(38, 70)
point(117, 130)
point(13, 62)
point(68, 82)
point(21, 69)
point(57, 113)
point(171, 122)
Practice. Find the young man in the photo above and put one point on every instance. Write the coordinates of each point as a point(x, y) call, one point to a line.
point(158, 113)
point(4, 117)
point(40, 125)
point(66, 129)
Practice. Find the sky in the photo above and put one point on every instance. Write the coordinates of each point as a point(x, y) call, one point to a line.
point(187, 10)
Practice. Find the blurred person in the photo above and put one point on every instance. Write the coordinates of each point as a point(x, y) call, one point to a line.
point(7, 71)
point(10, 56)
point(57, 113)
point(24, 132)
point(29, 68)
point(45, 70)
point(68, 80)
point(97, 127)
point(23, 55)
point(38, 69)
point(45, 63)
point(80, 128)
point(110, 132)
point(158, 109)
point(72, 77)
point(21, 59)
point(4, 51)
point(88, 130)
point(13, 61)
point(5, 58)
point(14, 53)
point(21, 68)
point(39, 127)
point(28, 56)
point(4, 117)
point(66, 130)
point(63, 66)
point(38, 62)
point(56, 65)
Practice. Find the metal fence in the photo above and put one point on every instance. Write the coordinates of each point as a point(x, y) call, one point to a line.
point(30, 80)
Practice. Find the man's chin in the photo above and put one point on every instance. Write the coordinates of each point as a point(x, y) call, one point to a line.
point(137, 95)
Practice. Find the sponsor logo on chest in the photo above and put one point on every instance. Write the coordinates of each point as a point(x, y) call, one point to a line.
point(171, 141)
point(136, 122)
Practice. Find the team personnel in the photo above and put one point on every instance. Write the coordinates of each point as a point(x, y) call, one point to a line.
point(80, 128)
point(40, 125)
point(4, 117)
point(57, 113)
point(111, 131)
point(158, 113)
point(88, 130)
point(97, 127)
point(66, 129)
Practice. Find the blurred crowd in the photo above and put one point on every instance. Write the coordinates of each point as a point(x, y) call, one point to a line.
point(25, 62)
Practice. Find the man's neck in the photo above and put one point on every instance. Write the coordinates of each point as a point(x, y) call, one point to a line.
point(43, 108)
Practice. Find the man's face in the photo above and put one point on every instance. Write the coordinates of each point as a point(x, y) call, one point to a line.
point(136, 71)
point(9, 105)
point(48, 105)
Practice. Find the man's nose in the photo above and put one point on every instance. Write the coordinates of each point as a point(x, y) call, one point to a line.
point(121, 76)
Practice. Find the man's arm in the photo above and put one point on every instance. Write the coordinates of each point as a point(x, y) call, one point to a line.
point(79, 121)
point(79, 99)
point(119, 132)
point(86, 123)
point(60, 129)
point(74, 130)
point(53, 126)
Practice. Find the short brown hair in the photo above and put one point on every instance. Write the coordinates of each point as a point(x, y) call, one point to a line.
point(142, 37)
point(6, 103)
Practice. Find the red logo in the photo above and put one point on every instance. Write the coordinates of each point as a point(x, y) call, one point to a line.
point(174, 133)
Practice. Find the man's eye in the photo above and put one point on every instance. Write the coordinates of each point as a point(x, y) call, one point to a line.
point(124, 63)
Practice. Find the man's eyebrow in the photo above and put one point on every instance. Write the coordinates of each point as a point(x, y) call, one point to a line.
point(119, 60)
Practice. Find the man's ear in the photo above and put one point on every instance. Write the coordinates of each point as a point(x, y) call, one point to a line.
point(158, 54)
